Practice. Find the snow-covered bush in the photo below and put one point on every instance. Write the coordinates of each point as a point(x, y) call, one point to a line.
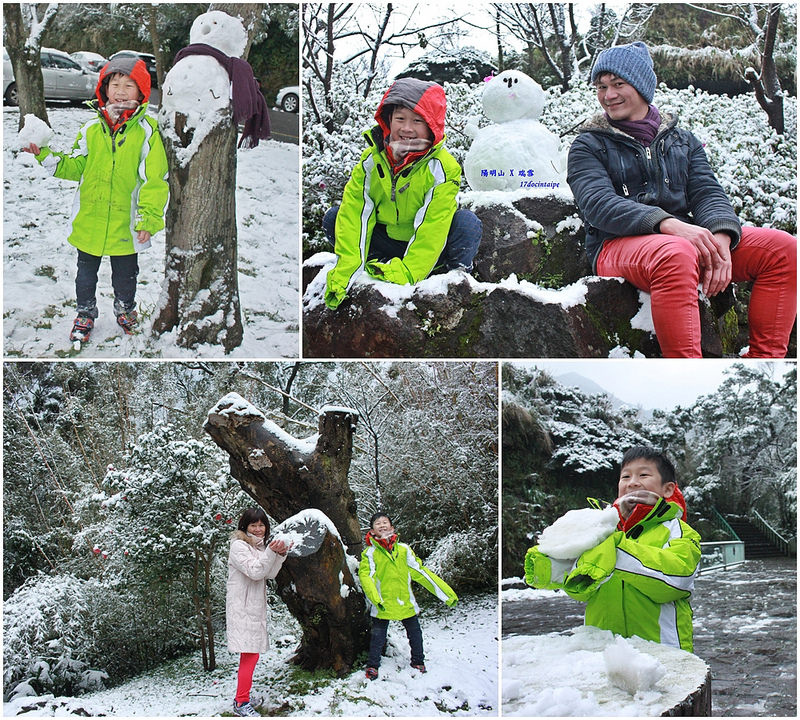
point(461, 557)
point(49, 637)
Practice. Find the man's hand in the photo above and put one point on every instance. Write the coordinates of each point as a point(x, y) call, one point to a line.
point(713, 252)
point(628, 502)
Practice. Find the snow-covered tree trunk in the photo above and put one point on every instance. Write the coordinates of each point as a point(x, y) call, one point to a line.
point(201, 293)
point(286, 476)
point(23, 41)
point(766, 84)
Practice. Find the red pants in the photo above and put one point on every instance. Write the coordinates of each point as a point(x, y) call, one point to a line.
point(666, 266)
point(247, 664)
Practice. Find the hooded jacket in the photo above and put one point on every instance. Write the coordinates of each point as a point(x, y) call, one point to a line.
point(246, 599)
point(416, 203)
point(121, 173)
point(386, 571)
point(637, 581)
point(623, 188)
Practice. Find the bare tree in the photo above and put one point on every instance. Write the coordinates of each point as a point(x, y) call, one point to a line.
point(549, 28)
point(23, 30)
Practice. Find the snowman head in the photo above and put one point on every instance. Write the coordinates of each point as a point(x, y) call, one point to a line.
point(221, 31)
point(512, 95)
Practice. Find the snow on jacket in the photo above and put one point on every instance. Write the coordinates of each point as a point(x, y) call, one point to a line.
point(635, 582)
point(122, 176)
point(246, 599)
point(416, 204)
point(623, 188)
point(386, 577)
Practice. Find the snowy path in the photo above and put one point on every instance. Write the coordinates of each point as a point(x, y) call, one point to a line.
point(39, 264)
point(461, 653)
point(745, 627)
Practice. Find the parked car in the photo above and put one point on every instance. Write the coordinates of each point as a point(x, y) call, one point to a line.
point(63, 78)
point(288, 98)
point(91, 61)
point(149, 60)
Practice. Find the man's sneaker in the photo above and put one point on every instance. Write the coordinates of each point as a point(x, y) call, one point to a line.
point(81, 328)
point(419, 666)
point(372, 673)
point(244, 710)
point(128, 321)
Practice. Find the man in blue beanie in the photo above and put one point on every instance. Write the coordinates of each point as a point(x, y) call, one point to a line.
point(656, 215)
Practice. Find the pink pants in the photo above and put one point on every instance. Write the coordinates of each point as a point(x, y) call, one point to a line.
point(247, 664)
point(667, 267)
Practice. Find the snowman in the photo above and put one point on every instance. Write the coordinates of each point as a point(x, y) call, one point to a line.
point(517, 151)
point(198, 86)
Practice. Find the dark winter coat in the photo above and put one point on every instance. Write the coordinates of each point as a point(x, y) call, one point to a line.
point(623, 188)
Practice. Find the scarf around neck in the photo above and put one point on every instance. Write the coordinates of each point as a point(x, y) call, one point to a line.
point(249, 105)
point(644, 130)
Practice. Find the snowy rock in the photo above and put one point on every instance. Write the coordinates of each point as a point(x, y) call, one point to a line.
point(34, 130)
point(454, 315)
point(537, 237)
point(517, 151)
point(577, 531)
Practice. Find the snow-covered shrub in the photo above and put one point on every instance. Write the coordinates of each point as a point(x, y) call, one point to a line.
point(49, 637)
point(461, 558)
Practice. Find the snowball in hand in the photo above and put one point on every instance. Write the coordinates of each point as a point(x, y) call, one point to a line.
point(577, 531)
point(34, 131)
point(631, 670)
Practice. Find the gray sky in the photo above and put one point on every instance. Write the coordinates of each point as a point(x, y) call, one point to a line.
point(652, 383)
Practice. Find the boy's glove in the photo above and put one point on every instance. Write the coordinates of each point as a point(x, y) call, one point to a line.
point(334, 296)
point(628, 502)
point(395, 271)
point(452, 601)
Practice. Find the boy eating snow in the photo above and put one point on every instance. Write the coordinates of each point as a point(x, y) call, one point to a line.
point(638, 580)
point(119, 161)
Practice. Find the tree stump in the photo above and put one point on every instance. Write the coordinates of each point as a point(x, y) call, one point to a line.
point(287, 476)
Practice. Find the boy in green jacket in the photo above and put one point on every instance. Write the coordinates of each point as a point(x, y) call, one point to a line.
point(639, 579)
point(118, 159)
point(398, 219)
point(386, 571)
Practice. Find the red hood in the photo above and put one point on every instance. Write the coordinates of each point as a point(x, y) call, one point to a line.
point(130, 66)
point(424, 98)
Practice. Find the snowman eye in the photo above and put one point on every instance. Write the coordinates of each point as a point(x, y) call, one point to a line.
point(516, 80)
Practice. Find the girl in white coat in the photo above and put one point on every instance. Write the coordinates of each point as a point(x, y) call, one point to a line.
point(250, 563)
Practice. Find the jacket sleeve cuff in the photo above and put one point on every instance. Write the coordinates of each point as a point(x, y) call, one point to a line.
point(654, 218)
point(728, 227)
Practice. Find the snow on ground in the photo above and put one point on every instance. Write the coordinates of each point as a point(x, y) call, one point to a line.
point(569, 675)
point(39, 265)
point(460, 654)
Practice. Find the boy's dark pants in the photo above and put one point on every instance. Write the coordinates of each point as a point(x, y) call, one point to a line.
point(462, 243)
point(378, 640)
point(124, 271)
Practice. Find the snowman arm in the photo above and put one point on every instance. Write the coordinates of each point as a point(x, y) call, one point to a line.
point(597, 198)
point(154, 191)
point(433, 219)
point(355, 222)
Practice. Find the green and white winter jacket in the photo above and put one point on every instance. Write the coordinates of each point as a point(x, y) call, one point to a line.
point(416, 200)
point(386, 577)
point(123, 186)
point(637, 581)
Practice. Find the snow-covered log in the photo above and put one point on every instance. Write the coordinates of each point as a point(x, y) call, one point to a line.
point(287, 476)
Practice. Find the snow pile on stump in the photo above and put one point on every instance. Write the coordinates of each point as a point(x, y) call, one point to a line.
point(559, 675)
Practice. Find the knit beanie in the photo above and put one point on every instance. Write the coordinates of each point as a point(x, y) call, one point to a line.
point(630, 62)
